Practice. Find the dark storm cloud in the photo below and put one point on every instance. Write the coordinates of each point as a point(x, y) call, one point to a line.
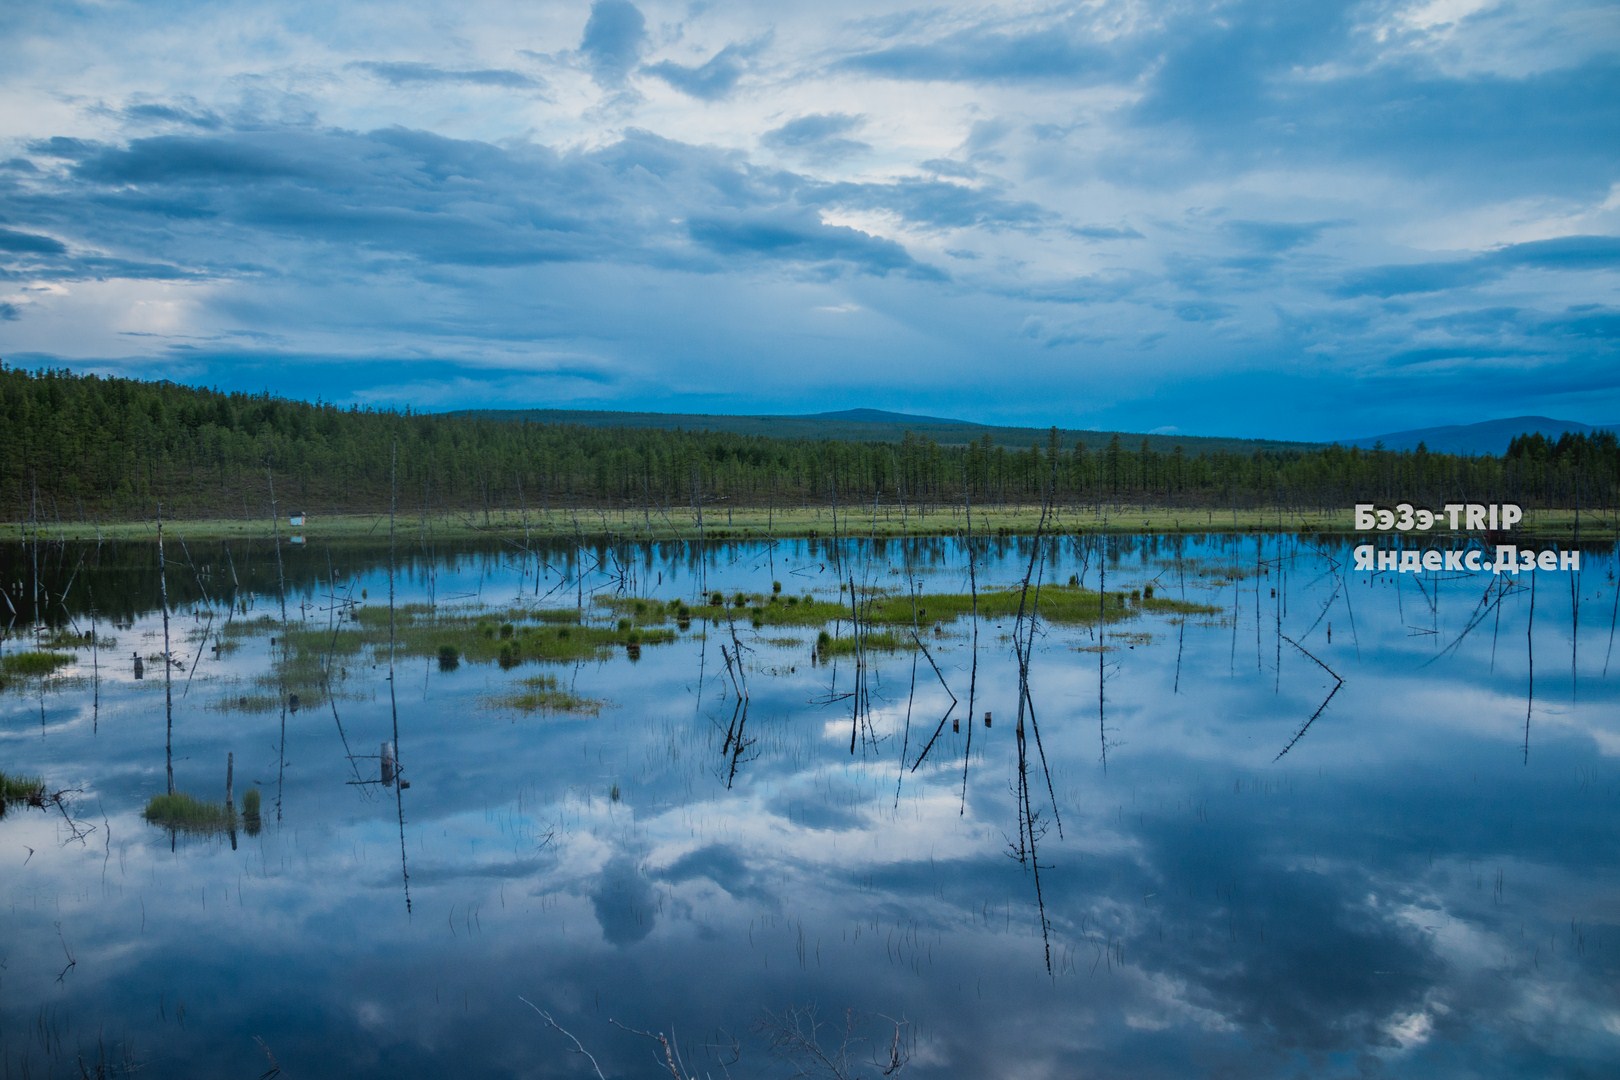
point(414, 73)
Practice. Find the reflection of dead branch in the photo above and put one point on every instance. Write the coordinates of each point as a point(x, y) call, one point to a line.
point(579, 1048)
point(77, 829)
point(1490, 600)
point(795, 1035)
point(672, 1054)
point(275, 1066)
point(72, 963)
point(1338, 683)
point(736, 745)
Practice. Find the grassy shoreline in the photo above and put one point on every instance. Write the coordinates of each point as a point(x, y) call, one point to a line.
point(746, 523)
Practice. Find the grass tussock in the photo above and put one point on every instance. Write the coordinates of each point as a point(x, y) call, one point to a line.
point(1165, 605)
point(544, 693)
point(63, 638)
point(32, 664)
point(182, 811)
point(874, 641)
point(248, 703)
point(20, 789)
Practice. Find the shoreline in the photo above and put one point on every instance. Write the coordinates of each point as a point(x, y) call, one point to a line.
point(760, 523)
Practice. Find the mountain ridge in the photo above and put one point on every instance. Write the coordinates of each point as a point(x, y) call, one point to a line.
point(879, 425)
point(1483, 437)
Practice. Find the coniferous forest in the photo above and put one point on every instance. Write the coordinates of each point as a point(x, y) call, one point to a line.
point(81, 446)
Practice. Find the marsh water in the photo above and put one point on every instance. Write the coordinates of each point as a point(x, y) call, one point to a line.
point(1311, 821)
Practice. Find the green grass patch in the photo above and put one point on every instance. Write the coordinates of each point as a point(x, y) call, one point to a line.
point(874, 641)
point(32, 664)
point(544, 693)
point(1165, 605)
point(1065, 604)
point(182, 811)
point(20, 788)
point(249, 703)
point(241, 628)
point(506, 637)
point(63, 638)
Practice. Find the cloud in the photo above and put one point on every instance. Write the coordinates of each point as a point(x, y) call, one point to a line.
point(24, 243)
point(169, 158)
point(712, 80)
point(819, 135)
point(1106, 232)
point(801, 237)
point(159, 113)
point(1274, 236)
point(615, 36)
point(1348, 199)
point(723, 865)
point(413, 73)
point(934, 203)
point(1567, 253)
point(984, 55)
point(624, 902)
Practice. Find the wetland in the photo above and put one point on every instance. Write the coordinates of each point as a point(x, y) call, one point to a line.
point(1123, 805)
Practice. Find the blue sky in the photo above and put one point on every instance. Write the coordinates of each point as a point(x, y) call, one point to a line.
point(1252, 218)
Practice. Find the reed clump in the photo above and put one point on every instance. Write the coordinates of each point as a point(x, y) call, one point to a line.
point(32, 663)
point(545, 693)
point(188, 813)
point(21, 789)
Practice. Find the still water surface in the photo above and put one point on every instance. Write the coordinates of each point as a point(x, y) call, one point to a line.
point(1427, 883)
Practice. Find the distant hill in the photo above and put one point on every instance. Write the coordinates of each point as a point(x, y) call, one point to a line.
point(875, 425)
point(1488, 437)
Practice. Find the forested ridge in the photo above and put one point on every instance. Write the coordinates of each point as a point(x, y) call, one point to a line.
point(81, 446)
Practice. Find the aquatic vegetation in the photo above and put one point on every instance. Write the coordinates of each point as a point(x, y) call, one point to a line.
point(18, 789)
point(876, 641)
point(32, 663)
point(63, 638)
point(249, 703)
point(507, 638)
point(1066, 604)
point(251, 821)
point(544, 693)
point(182, 811)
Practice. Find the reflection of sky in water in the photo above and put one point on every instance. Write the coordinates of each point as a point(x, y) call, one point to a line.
point(1403, 892)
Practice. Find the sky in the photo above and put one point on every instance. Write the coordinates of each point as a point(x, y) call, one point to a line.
point(1250, 218)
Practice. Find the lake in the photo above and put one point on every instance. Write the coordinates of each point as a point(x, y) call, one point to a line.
point(1262, 814)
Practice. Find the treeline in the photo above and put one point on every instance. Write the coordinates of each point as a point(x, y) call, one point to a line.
point(80, 446)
